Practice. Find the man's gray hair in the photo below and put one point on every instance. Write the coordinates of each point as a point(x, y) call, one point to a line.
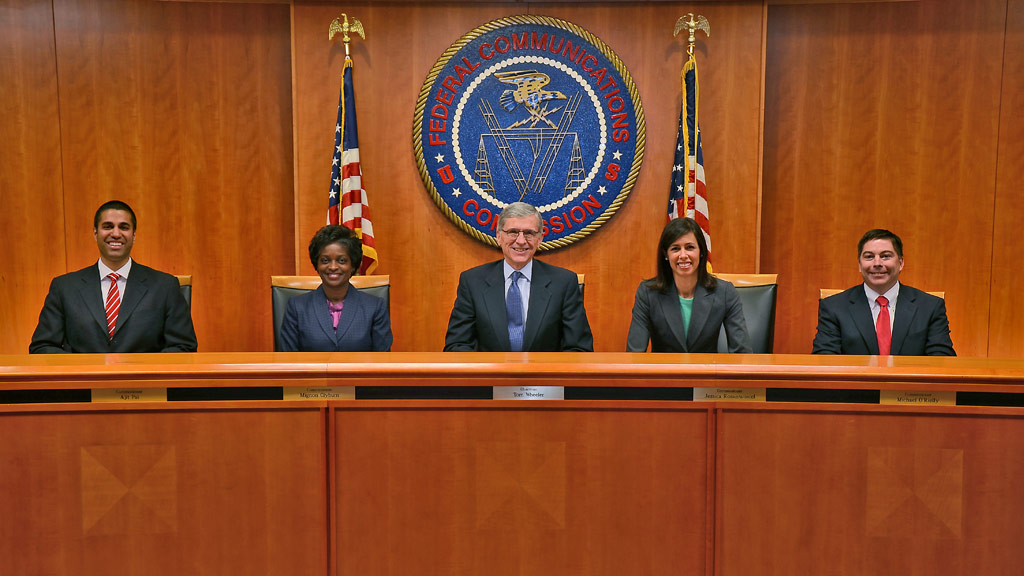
point(519, 210)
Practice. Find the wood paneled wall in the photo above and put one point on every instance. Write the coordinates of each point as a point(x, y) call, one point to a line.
point(31, 198)
point(421, 250)
point(888, 116)
point(215, 121)
point(184, 111)
point(1006, 308)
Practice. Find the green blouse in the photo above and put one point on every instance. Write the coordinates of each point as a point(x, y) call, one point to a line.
point(686, 304)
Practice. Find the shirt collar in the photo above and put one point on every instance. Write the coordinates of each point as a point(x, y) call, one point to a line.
point(891, 294)
point(122, 272)
point(526, 270)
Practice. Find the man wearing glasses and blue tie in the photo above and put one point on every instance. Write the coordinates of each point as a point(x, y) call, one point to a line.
point(518, 304)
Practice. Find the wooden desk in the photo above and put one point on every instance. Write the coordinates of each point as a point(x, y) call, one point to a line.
point(626, 475)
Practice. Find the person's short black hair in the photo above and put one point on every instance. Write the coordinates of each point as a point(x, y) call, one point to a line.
point(880, 234)
point(331, 234)
point(114, 205)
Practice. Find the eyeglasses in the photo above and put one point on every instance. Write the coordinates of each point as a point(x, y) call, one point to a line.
point(528, 235)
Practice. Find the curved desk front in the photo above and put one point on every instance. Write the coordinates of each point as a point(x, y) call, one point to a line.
point(404, 463)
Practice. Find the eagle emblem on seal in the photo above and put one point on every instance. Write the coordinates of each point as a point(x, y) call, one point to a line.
point(530, 109)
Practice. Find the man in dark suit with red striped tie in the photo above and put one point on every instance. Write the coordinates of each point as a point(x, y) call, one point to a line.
point(115, 305)
point(882, 316)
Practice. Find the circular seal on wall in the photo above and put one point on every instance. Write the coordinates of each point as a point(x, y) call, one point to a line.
point(531, 109)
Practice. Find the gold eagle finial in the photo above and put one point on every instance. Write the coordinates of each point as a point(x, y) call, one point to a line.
point(692, 24)
point(341, 24)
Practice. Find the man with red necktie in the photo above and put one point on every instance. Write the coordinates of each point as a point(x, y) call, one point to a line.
point(882, 316)
point(115, 305)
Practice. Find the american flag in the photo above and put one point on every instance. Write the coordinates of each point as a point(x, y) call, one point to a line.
point(688, 195)
point(347, 193)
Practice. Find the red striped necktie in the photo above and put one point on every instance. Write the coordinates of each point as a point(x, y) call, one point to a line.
point(113, 304)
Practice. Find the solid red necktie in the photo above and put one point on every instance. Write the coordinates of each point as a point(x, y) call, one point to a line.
point(113, 304)
point(882, 329)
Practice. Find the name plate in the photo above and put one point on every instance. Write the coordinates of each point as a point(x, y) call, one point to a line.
point(729, 394)
point(906, 398)
point(129, 394)
point(529, 393)
point(319, 392)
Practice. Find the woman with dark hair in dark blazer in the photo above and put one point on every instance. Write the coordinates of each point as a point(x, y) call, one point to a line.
point(336, 317)
point(684, 307)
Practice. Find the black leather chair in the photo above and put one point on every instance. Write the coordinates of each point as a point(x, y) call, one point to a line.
point(758, 293)
point(284, 288)
point(185, 285)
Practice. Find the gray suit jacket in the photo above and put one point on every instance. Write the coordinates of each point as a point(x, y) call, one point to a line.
point(920, 327)
point(364, 325)
point(658, 318)
point(153, 317)
point(556, 322)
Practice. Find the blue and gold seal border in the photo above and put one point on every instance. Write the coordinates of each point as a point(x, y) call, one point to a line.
point(430, 85)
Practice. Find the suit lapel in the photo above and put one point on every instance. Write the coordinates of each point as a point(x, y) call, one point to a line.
point(134, 290)
point(348, 314)
point(540, 297)
point(860, 310)
point(494, 305)
point(92, 295)
point(673, 313)
point(323, 315)
point(702, 303)
point(906, 308)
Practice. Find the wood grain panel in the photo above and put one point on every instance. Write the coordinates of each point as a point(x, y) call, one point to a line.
point(421, 250)
point(163, 492)
point(184, 111)
point(1006, 315)
point(881, 116)
point(31, 206)
point(573, 490)
point(900, 493)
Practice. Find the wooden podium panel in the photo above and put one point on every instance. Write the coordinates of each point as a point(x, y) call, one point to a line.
point(827, 473)
point(533, 488)
point(163, 492)
point(869, 492)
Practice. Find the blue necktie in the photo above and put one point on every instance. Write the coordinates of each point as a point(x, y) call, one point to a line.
point(514, 309)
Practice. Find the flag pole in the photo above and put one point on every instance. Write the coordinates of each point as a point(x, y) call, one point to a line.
point(347, 204)
point(688, 192)
point(691, 24)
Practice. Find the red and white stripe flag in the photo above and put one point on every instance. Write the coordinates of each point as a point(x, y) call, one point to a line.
point(347, 194)
point(688, 195)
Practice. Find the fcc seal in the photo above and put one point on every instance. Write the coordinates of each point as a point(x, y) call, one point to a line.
point(531, 109)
